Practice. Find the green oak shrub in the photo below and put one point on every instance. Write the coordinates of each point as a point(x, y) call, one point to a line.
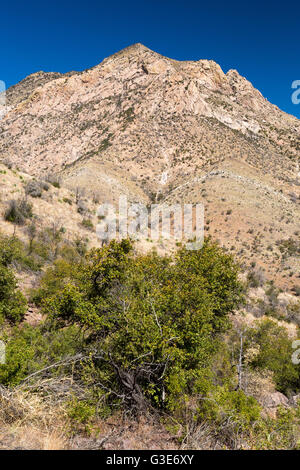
point(153, 321)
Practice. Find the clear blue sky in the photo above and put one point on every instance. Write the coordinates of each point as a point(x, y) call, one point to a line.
point(258, 38)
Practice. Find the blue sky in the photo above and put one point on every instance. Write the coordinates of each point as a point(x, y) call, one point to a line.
point(259, 38)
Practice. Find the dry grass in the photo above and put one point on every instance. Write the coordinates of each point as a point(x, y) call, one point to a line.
point(29, 422)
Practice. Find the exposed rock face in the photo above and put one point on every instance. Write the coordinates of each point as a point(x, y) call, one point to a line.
point(22, 90)
point(271, 402)
point(144, 105)
point(142, 124)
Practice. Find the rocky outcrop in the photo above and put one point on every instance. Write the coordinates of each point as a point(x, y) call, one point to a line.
point(275, 399)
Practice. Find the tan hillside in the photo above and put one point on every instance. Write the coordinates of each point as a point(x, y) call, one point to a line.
point(154, 128)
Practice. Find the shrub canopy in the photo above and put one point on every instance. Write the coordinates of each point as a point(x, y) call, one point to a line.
point(153, 321)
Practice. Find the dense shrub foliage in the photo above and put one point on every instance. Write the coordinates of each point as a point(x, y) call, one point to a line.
point(152, 322)
point(12, 301)
point(274, 354)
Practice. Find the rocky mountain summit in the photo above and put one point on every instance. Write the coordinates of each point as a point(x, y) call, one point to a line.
point(157, 129)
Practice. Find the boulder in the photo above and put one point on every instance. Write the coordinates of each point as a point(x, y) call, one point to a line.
point(274, 399)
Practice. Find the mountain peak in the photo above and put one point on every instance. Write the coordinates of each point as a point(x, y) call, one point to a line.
point(138, 46)
point(133, 49)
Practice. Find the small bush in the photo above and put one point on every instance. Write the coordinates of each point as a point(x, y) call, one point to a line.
point(44, 185)
point(54, 181)
point(87, 223)
point(18, 211)
point(33, 189)
point(67, 200)
point(81, 207)
point(296, 290)
point(256, 278)
point(81, 413)
point(7, 163)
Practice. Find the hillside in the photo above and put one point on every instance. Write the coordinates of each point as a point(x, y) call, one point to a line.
point(154, 128)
